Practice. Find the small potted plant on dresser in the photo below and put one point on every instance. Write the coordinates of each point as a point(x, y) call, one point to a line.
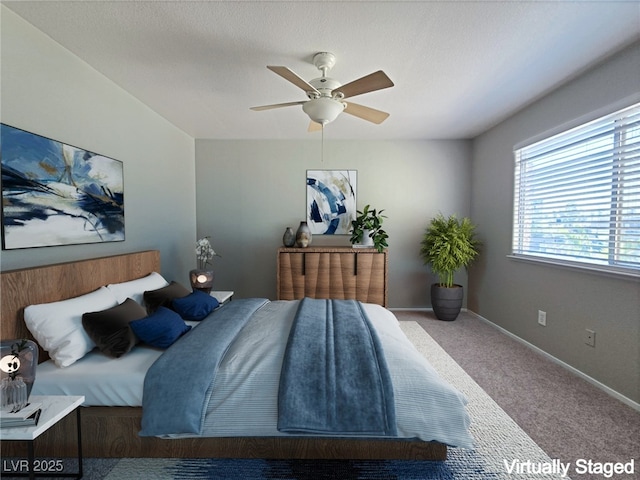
point(448, 244)
point(367, 231)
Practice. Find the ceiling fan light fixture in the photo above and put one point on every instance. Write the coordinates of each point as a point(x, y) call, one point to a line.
point(326, 94)
point(323, 110)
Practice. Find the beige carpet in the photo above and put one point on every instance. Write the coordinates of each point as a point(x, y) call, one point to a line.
point(571, 419)
point(499, 439)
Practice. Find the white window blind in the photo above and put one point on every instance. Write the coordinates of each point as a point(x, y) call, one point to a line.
point(577, 195)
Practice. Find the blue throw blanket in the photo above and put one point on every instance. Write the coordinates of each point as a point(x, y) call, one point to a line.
point(177, 387)
point(335, 379)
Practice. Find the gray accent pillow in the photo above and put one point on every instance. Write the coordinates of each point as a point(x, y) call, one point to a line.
point(162, 297)
point(109, 329)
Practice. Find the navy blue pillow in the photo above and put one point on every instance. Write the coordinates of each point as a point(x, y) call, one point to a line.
point(161, 328)
point(195, 306)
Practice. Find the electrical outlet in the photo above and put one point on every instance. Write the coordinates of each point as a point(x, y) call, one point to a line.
point(590, 337)
point(542, 318)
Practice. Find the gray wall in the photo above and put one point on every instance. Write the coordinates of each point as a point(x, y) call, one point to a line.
point(510, 292)
point(48, 91)
point(248, 192)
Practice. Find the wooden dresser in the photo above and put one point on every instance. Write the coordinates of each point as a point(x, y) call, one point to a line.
point(332, 272)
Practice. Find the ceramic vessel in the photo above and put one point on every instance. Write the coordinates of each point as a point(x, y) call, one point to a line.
point(303, 235)
point(289, 238)
point(446, 302)
point(367, 240)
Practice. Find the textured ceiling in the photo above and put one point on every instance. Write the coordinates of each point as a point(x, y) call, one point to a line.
point(458, 67)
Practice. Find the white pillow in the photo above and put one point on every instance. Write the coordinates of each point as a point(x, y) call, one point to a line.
point(134, 289)
point(57, 326)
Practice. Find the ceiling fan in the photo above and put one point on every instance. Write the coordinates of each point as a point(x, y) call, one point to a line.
point(326, 95)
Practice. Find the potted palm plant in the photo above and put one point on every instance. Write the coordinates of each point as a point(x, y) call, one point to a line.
point(448, 244)
point(366, 229)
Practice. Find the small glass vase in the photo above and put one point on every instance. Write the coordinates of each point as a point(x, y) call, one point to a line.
point(13, 394)
point(19, 358)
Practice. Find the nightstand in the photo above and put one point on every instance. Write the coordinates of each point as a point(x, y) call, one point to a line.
point(54, 409)
point(222, 296)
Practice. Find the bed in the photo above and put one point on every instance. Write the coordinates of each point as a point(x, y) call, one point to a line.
point(115, 414)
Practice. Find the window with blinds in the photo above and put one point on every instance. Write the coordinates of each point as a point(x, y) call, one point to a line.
point(577, 195)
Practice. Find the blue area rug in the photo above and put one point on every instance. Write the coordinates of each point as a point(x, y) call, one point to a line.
point(465, 466)
point(460, 465)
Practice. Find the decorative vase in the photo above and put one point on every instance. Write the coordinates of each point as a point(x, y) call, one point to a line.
point(201, 279)
point(13, 394)
point(289, 239)
point(303, 235)
point(19, 358)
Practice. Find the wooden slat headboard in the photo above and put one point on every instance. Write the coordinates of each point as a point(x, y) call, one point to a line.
point(51, 283)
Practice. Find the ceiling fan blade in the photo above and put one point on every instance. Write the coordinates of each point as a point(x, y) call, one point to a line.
point(314, 127)
point(287, 74)
point(366, 113)
point(374, 81)
point(276, 105)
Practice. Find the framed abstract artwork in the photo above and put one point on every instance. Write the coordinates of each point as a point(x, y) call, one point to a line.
point(331, 201)
point(57, 194)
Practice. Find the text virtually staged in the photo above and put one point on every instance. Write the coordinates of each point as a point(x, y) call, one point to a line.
point(515, 467)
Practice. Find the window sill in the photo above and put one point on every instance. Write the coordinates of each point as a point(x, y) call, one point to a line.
point(597, 269)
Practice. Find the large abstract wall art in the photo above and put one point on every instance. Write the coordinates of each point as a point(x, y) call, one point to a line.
point(331, 201)
point(57, 194)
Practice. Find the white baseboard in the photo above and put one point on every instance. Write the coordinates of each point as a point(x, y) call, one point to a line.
point(627, 401)
point(414, 309)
